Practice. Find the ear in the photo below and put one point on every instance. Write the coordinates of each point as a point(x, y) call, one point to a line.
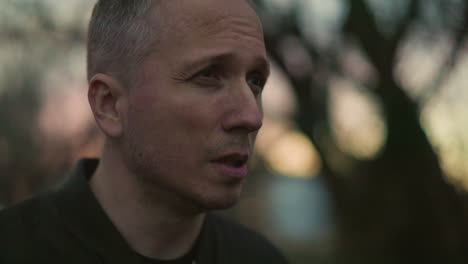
point(106, 98)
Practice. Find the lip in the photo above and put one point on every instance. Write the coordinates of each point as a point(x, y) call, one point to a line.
point(230, 171)
point(223, 165)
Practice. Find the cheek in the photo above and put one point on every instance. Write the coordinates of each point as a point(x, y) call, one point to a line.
point(191, 118)
point(196, 114)
point(141, 114)
point(185, 119)
point(182, 127)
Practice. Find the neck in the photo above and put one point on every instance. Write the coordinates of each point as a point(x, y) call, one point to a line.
point(153, 229)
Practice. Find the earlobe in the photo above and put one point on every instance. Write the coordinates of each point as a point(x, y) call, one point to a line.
point(105, 96)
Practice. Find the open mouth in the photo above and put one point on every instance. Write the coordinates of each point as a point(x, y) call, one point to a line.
point(232, 165)
point(233, 160)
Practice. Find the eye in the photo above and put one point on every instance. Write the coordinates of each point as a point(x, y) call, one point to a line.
point(207, 77)
point(207, 73)
point(256, 82)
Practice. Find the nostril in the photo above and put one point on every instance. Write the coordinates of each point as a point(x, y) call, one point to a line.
point(260, 124)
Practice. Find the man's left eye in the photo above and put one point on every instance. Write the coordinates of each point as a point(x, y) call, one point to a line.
point(208, 74)
point(207, 78)
point(257, 83)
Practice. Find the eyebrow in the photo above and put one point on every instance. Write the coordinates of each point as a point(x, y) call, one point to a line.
point(259, 62)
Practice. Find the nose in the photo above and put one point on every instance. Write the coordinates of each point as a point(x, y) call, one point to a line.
point(245, 112)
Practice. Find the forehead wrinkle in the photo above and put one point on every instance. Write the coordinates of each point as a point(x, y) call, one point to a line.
point(199, 61)
point(209, 19)
point(219, 23)
point(192, 27)
point(233, 29)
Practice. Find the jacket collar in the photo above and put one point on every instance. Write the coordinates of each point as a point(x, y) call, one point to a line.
point(83, 216)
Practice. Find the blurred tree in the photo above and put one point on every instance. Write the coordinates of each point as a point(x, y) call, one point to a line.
point(31, 42)
point(393, 208)
point(397, 206)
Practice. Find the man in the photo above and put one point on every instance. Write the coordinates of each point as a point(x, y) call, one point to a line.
point(175, 86)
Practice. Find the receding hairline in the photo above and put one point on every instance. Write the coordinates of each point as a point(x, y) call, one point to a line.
point(118, 32)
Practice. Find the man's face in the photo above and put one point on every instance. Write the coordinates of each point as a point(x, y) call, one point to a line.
point(191, 122)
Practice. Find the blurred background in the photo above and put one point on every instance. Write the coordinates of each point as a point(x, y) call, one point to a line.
point(363, 157)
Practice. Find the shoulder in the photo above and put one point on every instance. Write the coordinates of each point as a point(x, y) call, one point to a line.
point(20, 217)
point(244, 243)
point(19, 227)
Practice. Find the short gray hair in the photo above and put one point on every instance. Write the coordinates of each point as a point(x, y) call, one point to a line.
point(119, 36)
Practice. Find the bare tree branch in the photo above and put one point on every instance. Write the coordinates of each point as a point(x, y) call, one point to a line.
point(375, 49)
point(403, 27)
point(451, 61)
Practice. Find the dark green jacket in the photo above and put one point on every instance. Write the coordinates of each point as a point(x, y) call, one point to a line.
point(69, 226)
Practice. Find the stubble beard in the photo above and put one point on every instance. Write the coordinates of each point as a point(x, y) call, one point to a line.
point(144, 160)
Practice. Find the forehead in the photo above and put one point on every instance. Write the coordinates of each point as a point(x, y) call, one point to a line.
point(180, 19)
point(199, 32)
point(193, 11)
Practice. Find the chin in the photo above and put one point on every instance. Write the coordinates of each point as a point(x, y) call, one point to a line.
point(219, 202)
point(220, 205)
